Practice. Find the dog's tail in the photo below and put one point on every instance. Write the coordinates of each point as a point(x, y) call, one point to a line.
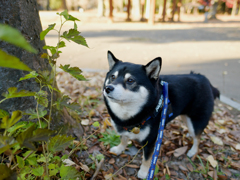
point(215, 91)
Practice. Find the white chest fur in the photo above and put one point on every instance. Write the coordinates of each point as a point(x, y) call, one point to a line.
point(140, 136)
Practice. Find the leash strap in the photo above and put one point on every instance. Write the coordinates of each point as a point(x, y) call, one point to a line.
point(160, 132)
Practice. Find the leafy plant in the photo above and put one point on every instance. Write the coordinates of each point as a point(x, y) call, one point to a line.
point(110, 137)
point(37, 144)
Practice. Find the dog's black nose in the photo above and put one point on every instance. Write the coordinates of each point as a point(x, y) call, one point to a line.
point(109, 89)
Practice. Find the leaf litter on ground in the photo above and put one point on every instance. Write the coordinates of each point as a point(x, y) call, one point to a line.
point(219, 149)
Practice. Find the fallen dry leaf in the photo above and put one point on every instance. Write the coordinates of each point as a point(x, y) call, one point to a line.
point(85, 122)
point(183, 168)
point(68, 162)
point(84, 167)
point(216, 140)
point(132, 166)
point(212, 161)
point(109, 176)
point(180, 151)
point(112, 161)
point(237, 147)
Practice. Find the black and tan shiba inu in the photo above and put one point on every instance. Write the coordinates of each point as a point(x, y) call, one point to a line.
point(132, 92)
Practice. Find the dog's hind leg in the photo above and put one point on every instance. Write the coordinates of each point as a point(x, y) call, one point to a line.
point(121, 147)
point(196, 138)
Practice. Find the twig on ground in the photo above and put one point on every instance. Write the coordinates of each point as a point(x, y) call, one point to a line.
point(99, 165)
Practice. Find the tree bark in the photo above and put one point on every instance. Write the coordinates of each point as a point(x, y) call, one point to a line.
point(164, 10)
point(23, 15)
point(64, 4)
point(152, 12)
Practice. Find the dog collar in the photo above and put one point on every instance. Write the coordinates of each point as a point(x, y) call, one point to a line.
point(137, 128)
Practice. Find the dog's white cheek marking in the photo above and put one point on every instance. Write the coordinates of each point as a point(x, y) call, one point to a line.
point(191, 131)
point(129, 103)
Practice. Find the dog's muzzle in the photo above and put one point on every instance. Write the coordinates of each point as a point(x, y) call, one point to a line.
point(109, 89)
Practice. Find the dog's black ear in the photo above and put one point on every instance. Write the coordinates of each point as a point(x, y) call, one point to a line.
point(111, 59)
point(153, 68)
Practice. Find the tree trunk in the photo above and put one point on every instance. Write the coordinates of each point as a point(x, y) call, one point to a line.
point(23, 15)
point(164, 10)
point(64, 4)
point(234, 8)
point(152, 12)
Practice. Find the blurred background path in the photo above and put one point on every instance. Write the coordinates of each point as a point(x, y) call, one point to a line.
point(212, 48)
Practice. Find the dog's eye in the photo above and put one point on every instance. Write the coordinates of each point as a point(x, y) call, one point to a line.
point(130, 81)
point(113, 77)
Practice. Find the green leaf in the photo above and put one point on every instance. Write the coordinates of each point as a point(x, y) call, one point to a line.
point(9, 61)
point(41, 97)
point(61, 44)
point(38, 171)
point(73, 35)
point(7, 173)
point(99, 157)
point(24, 138)
point(52, 166)
point(14, 128)
point(3, 113)
point(33, 113)
point(75, 25)
point(44, 33)
point(20, 162)
point(53, 172)
point(74, 71)
point(46, 77)
point(32, 161)
point(68, 172)
point(96, 124)
point(7, 123)
point(52, 49)
point(59, 143)
point(110, 137)
point(71, 18)
point(41, 159)
point(67, 16)
point(13, 93)
point(64, 14)
point(6, 143)
point(50, 87)
point(64, 102)
point(32, 74)
point(13, 36)
point(41, 135)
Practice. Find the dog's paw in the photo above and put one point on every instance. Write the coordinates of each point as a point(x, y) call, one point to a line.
point(116, 150)
point(192, 152)
point(142, 174)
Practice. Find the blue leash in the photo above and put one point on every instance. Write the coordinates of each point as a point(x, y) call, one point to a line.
point(160, 132)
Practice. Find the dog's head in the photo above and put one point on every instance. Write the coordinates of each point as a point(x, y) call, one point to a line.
point(129, 85)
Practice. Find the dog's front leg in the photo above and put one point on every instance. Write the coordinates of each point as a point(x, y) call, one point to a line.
point(146, 162)
point(121, 147)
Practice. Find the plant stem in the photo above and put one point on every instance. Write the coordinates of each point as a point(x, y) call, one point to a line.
point(80, 143)
point(3, 100)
